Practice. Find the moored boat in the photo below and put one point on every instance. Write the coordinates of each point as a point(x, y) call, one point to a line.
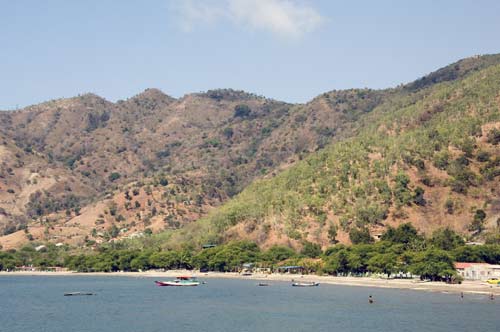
point(179, 281)
point(305, 284)
point(78, 294)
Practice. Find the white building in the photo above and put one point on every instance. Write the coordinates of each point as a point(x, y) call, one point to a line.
point(477, 271)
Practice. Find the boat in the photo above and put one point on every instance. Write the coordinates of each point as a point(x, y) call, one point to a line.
point(262, 284)
point(77, 294)
point(305, 284)
point(179, 281)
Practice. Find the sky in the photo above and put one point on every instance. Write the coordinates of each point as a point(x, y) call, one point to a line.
point(290, 50)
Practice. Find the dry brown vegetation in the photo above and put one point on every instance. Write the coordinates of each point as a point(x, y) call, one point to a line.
point(85, 170)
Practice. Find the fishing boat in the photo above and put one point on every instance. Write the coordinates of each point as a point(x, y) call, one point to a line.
point(179, 281)
point(305, 284)
point(78, 294)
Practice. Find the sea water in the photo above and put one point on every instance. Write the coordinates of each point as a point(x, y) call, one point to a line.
point(137, 304)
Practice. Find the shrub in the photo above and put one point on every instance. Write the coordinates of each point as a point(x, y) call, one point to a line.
point(449, 206)
point(114, 176)
point(242, 111)
point(494, 136)
point(477, 224)
point(362, 235)
point(312, 250)
point(483, 156)
point(228, 132)
point(418, 197)
point(441, 160)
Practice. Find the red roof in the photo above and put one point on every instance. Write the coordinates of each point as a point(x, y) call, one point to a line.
point(462, 265)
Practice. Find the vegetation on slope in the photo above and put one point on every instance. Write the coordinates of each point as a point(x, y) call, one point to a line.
point(401, 250)
point(431, 158)
point(84, 170)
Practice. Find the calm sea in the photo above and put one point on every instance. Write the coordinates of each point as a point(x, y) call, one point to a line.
point(136, 304)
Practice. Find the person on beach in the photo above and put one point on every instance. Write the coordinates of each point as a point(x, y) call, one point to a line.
point(492, 297)
point(462, 295)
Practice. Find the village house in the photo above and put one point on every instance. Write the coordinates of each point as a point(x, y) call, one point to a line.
point(477, 271)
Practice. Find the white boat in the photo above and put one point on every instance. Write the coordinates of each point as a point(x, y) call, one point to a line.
point(179, 281)
point(305, 284)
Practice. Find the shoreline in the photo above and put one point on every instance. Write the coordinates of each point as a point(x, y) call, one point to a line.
point(467, 286)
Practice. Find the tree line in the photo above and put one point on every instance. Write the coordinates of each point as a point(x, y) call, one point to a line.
point(401, 250)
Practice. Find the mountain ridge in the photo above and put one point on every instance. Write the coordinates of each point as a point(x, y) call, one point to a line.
point(93, 155)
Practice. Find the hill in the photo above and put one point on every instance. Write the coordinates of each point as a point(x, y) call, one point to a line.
point(85, 170)
point(150, 161)
point(430, 157)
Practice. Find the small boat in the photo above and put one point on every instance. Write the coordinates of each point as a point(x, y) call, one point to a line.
point(179, 281)
point(262, 284)
point(77, 294)
point(305, 284)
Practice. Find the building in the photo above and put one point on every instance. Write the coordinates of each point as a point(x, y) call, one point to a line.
point(477, 271)
point(293, 269)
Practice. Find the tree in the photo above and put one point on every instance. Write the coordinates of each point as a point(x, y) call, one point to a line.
point(418, 197)
point(338, 263)
point(404, 234)
point(242, 111)
point(383, 263)
point(165, 259)
point(477, 225)
point(494, 136)
point(141, 262)
point(446, 239)
point(312, 250)
point(401, 192)
point(355, 262)
point(433, 264)
point(332, 233)
point(360, 236)
point(228, 132)
point(114, 231)
point(113, 208)
point(278, 253)
point(114, 176)
point(231, 256)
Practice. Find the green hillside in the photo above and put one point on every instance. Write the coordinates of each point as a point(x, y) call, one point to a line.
point(430, 157)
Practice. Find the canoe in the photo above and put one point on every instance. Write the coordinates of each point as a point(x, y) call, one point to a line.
point(305, 284)
point(77, 294)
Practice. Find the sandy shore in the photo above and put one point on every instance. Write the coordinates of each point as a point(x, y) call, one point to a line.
point(478, 287)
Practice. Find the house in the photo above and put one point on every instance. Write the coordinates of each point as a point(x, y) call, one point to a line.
point(291, 269)
point(477, 271)
point(247, 268)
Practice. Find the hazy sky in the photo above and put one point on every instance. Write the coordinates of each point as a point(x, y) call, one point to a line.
point(290, 50)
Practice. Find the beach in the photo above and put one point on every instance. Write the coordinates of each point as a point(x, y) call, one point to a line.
point(467, 286)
